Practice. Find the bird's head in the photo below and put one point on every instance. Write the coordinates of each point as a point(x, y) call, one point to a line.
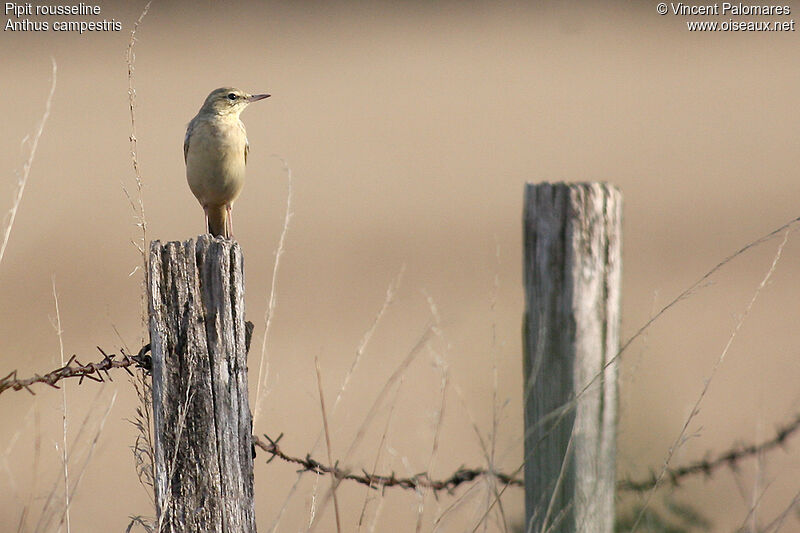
point(229, 101)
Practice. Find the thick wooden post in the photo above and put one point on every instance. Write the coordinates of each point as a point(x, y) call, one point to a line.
point(572, 269)
point(202, 423)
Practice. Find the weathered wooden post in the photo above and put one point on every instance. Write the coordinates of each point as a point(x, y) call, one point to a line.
point(202, 423)
point(572, 269)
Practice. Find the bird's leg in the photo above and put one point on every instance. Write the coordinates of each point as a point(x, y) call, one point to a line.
point(205, 212)
point(229, 220)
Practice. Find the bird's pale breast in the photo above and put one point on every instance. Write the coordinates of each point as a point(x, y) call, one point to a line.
point(215, 159)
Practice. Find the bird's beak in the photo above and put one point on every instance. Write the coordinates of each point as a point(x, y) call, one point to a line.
point(256, 97)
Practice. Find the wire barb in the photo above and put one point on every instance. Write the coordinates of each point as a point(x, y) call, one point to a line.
point(379, 482)
point(707, 467)
point(95, 372)
point(75, 369)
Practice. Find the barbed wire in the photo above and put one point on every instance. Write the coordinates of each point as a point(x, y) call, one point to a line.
point(376, 481)
point(75, 369)
point(675, 476)
point(99, 372)
point(730, 459)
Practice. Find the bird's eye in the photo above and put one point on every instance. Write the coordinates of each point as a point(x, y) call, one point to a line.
point(232, 96)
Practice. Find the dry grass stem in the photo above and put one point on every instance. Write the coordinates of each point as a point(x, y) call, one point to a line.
point(491, 472)
point(559, 481)
point(362, 346)
point(138, 205)
point(90, 453)
point(396, 375)
point(496, 409)
point(777, 523)
point(487, 453)
point(679, 440)
point(701, 282)
point(378, 402)
point(183, 410)
point(34, 471)
point(5, 454)
point(312, 507)
point(26, 168)
point(554, 494)
point(276, 522)
point(263, 364)
point(751, 516)
point(561, 411)
point(439, 522)
point(437, 429)
point(759, 488)
point(376, 515)
point(334, 479)
point(381, 446)
point(496, 499)
point(48, 514)
point(143, 452)
point(390, 293)
point(60, 333)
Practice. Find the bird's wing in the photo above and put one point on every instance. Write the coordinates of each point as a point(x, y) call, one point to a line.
point(186, 140)
point(246, 142)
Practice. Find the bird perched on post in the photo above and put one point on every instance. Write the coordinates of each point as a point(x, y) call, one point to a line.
point(215, 150)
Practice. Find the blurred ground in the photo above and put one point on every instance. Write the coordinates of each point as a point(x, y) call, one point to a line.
point(410, 129)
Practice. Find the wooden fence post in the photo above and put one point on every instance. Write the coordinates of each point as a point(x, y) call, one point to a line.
point(572, 269)
point(201, 416)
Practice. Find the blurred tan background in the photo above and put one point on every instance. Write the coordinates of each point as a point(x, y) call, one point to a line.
point(410, 129)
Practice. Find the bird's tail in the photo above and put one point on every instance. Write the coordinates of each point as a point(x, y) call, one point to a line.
point(217, 220)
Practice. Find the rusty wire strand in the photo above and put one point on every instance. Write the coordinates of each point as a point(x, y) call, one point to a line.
point(730, 458)
point(75, 369)
point(309, 464)
point(99, 372)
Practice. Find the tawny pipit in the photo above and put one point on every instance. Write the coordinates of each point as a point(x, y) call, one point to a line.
point(215, 151)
